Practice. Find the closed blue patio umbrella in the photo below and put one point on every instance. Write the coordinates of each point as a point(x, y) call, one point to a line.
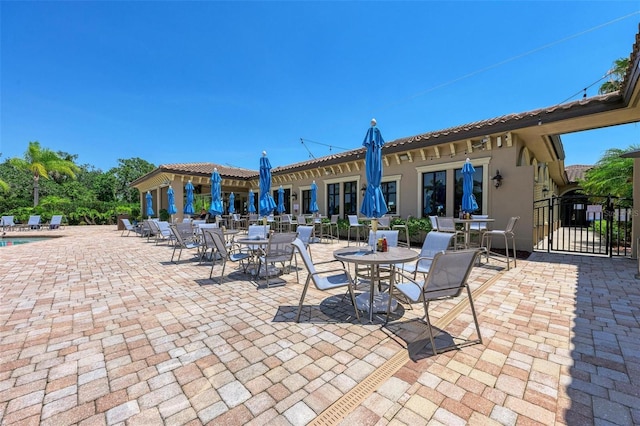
point(267, 205)
point(313, 207)
point(469, 203)
point(252, 206)
point(373, 204)
point(188, 207)
point(281, 207)
point(149, 205)
point(216, 208)
point(171, 199)
point(232, 199)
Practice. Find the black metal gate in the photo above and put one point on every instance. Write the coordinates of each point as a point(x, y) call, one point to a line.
point(589, 224)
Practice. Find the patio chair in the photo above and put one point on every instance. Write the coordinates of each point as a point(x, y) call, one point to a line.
point(237, 222)
point(434, 222)
point(185, 239)
point(227, 252)
point(253, 219)
point(304, 234)
point(507, 233)
point(279, 250)
point(286, 223)
point(354, 223)
point(478, 228)
point(164, 232)
point(434, 243)
point(446, 279)
point(301, 219)
point(7, 222)
point(405, 231)
point(384, 222)
point(324, 280)
point(334, 232)
point(34, 222)
point(55, 222)
point(129, 228)
point(446, 224)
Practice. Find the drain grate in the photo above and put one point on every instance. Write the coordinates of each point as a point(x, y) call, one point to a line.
point(337, 411)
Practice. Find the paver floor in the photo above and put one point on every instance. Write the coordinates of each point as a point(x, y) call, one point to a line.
point(96, 328)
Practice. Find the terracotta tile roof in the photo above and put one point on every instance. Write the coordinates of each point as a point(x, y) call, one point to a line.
point(576, 172)
point(207, 168)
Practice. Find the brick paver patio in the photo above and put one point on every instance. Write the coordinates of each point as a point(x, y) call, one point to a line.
point(96, 328)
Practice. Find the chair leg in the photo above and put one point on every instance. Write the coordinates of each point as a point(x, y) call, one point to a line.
point(506, 249)
point(429, 329)
point(473, 311)
point(304, 293)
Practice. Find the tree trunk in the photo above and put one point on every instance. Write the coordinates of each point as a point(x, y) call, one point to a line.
point(36, 191)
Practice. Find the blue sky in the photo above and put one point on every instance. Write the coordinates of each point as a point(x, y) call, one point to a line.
point(175, 82)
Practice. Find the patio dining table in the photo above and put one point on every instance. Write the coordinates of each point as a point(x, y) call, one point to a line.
point(467, 227)
point(371, 300)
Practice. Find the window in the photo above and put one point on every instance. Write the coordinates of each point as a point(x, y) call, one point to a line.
point(477, 189)
point(434, 191)
point(390, 196)
point(350, 198)
point(306, 201)
point(333, 198)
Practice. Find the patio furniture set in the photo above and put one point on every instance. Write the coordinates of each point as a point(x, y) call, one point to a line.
point(7, 223)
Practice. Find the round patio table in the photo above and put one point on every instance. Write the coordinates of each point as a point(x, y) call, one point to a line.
point(374, 259)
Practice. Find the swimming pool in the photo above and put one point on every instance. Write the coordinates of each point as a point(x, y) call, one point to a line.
point(12, 241)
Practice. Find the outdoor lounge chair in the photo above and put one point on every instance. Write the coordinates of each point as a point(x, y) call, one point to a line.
point(34, 222)
point(278, 250)
point(55, 222)
point(129, 228)
point(7, 222)
point(185, 239)
point(324, 280)
point(227, 253)
point(447, 278)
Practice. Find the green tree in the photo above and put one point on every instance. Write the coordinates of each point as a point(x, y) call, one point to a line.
point(616, 76)
point(127, 171)
point(612, 175)
point(41, 162)
point(4, 186)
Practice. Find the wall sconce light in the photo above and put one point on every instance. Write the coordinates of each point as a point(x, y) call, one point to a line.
point(294, 196)
point(363, 188)
point(545, 191)
point(497, 179)
point(404, 157)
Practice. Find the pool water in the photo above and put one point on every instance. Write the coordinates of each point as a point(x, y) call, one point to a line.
point(12, 241)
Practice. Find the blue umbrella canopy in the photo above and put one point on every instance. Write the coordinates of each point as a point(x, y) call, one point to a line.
point(171, 199)
point(313, 207)
point(267, 205)
point(188, 207)
point(373, 204)
point(469, 204)
point(149, 204)
point(252, 206)
point(232, 199)
point(216, 208)
point(281, 207)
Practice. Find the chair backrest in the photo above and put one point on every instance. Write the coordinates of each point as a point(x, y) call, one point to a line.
point(215, 236)
point(56, 219)
point(511, 225)
point(334, 219)
point(285, 218)
point(434, 222)
point(7, 221)
point(236, 217)
point(306, 258)
point(280, 246)
point(391, 236)
point(435, 242)
point(183, 233)
point(446, 224)
point(204, 226)
point(186, 220)
point(261, 231)
point(384, 222)
point(449, 273)
point(198, 222)
point(153, 226)
point(478, 226)
point(163, 227)
point(34, 220)
point(253, 217)
point(353, 220)
point(127, 224)
point(301, 219)
point(304, 234)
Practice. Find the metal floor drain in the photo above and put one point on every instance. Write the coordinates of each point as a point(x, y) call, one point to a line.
point(337, 411)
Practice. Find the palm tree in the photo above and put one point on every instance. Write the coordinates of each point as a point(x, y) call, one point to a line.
point(40, 162)
point(616, 76)
point(4, 186)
